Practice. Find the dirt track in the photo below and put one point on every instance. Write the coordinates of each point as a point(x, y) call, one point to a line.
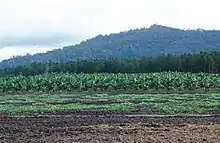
point(76, 127)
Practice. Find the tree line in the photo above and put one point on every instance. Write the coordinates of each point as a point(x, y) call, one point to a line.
point(202, 62)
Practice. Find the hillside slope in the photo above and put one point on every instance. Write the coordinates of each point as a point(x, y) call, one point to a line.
point(145, 42)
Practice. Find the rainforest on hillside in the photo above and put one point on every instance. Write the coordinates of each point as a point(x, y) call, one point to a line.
point(136, 43)
point(203, 62)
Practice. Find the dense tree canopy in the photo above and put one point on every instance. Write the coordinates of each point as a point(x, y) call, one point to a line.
point(203, 62)
point(138, 43)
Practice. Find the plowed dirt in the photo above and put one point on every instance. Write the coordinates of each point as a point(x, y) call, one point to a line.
point(76, 127)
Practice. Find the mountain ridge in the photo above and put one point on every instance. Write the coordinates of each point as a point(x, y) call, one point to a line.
point(137, 43)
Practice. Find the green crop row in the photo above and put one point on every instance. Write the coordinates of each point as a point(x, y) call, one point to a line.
point(72, 82)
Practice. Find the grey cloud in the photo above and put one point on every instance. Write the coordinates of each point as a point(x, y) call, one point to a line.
point(55, 39)
point(56, 23)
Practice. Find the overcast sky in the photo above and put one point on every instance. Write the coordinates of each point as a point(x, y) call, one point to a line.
point(31, 26)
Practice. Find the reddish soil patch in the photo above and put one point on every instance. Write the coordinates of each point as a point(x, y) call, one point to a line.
point(75, 127)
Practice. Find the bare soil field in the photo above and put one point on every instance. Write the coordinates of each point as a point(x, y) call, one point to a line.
point(85, 127)
point(100, 118)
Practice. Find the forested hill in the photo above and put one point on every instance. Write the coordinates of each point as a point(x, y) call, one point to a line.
point(138, 43)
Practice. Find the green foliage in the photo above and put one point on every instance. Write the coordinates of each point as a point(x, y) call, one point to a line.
point(144, 103)
point(20, 104)
point(196, 103)
point(83, 82)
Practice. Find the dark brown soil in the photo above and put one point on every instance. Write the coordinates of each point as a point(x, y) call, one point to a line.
point(101, 102)
point(120, 91)
point(100, 127)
